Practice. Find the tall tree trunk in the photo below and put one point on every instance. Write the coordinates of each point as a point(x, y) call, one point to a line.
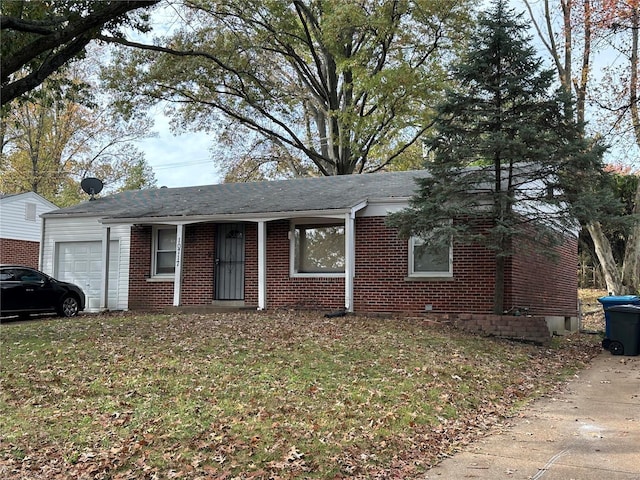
point(604, 253)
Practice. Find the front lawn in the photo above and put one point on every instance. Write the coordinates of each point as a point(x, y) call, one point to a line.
point(273, 395)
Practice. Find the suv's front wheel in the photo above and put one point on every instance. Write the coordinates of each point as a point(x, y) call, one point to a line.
point(68, 307)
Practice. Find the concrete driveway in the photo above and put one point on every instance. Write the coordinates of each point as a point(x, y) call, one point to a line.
point(590, 431)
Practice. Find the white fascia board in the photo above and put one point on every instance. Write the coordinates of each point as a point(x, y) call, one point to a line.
point(381, 207)
point(376, 200)
point(71, 215)
point(359, 206)
point(251, 217)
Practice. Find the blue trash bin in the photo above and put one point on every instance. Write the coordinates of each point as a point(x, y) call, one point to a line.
point(613, 301)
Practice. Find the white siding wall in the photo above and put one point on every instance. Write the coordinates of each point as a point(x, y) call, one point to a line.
point(13, 222)
point(377, 208)
point(86, 229)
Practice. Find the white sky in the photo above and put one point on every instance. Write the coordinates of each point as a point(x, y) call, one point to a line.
point(179, 160)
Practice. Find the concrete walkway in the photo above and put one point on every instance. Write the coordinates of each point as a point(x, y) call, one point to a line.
point(590, 431)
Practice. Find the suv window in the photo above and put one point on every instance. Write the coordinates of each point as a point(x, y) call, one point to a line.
point(25, 275)
point(6, 275)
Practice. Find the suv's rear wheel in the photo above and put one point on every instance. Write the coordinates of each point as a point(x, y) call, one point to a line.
point(68, 307)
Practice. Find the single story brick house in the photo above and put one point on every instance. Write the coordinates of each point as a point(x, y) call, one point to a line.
point(313, 243)
point(21, 227)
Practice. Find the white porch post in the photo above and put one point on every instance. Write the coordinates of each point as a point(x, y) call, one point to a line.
point(349, 259)
point(106, 253)
point(177, 282)
point(262, 265)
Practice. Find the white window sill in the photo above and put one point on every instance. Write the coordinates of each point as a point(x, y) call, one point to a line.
point(416, 278)
point(159, 279)
point(317, 275)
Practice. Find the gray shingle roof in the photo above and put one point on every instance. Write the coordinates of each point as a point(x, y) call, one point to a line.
point(7, 195)
point(258, 198)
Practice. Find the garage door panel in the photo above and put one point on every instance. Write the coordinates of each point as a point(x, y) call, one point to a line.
point(81, 263)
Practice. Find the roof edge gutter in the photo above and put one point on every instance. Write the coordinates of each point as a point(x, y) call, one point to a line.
point(53, 214)
point(249, 217)
point(359, 206)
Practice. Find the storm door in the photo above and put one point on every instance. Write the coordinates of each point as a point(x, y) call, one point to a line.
point(229, 273)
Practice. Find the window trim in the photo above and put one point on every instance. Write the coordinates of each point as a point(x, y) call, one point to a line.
point(318, 223)
point(154, 252)
point(432, 274)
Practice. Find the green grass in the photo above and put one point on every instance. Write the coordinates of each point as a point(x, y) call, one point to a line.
point(275, 395)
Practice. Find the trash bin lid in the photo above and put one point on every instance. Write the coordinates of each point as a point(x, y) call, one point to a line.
point(625, 309)
point(619, 300)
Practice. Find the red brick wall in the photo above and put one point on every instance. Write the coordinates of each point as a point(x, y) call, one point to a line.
point(381, 283)
point(20, 252)
point(529, 329)
point(144, 295)
point(547, 286)
point(284, 291)
point(382, 269)
point(198, 269)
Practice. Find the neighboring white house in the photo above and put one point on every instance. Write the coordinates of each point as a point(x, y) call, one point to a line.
point(21, 227)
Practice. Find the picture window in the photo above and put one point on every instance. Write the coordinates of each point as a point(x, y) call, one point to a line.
point(318, 249)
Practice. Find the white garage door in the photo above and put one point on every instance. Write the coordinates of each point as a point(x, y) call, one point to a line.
point(81, 263)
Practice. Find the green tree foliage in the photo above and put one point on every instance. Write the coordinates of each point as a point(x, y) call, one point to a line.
point(40, 37)
point(298, 87)
point(506, 152)
point(58, 136)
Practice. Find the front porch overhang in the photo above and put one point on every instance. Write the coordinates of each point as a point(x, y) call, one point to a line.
point(218, 218)
point(348, 215)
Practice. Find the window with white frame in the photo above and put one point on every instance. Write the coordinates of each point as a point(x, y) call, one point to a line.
point(164, 251)
point(429, 260)
point(318, 249)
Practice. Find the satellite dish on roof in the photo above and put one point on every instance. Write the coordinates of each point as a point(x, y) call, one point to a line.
point(91, 186)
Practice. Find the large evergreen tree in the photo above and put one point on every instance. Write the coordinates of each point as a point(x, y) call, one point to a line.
point(508, 160)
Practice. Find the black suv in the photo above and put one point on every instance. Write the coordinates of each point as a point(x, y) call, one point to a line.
point(24, 290)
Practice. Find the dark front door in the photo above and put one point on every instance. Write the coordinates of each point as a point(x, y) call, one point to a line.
point(230, 262)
